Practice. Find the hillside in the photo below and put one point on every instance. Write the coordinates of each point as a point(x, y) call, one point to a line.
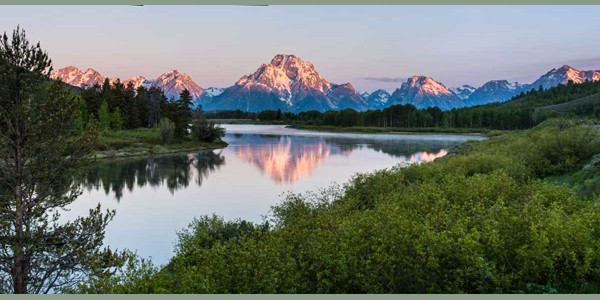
point(581, 106)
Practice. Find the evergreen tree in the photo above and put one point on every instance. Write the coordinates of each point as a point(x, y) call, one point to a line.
point(92, 97)
point(130, 111)
point(116, 119)
point(104, 117)
point(106, 94)
point(154, 106)
point(83, 117)
point(40, 149)
point(183, 114)
point(141, 103)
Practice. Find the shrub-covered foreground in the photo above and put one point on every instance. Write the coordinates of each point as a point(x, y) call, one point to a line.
point(479, 221)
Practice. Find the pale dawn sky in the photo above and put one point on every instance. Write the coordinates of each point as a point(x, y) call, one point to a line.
point(369, 46)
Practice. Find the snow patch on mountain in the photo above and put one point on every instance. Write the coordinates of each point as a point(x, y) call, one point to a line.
point(464, 91)
point(213, 91)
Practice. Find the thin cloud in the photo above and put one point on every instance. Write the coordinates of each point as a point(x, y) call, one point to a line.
point(588, 63)
point(384, 79)
point(591, 62)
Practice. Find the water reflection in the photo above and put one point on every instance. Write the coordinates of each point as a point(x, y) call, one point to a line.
point(159, 196)
point(287, 159)
point(172, 171)
point(426, 156)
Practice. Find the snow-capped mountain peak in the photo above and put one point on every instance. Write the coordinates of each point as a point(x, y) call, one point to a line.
point(290, 84)
point(138, 81)
point(67, 74)
point(563, 75)
point(494, 91)
point(174, 82)
point(424, 85)
point(74, 76)
point(378, 99)
point(285, 75)
point(423, 92)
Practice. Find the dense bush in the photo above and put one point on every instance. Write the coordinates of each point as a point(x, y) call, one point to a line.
point(205, 131)
point(167, 131)
point(478, 221)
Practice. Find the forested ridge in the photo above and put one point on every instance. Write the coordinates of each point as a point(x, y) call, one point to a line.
point(516, 113)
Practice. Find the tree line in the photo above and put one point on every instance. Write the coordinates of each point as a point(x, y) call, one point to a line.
point(117, 107)
point(516, 113)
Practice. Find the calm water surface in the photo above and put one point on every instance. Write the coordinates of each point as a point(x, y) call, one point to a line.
point(156, 197)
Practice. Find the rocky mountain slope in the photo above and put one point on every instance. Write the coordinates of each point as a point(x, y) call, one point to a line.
point(292, 84)
point(287, 83)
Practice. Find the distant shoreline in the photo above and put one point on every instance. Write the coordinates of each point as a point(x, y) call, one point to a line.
point(144, 142)
point(152, 150)
point(396, 130)
point(367, 129)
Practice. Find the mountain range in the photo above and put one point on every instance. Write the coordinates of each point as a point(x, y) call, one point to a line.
point(172, 83)
point(291, 84)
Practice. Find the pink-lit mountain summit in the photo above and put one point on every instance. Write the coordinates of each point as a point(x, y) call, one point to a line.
point(172, 82)
point(291, 84)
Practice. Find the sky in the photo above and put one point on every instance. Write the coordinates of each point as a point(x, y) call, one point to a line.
point(371, 47)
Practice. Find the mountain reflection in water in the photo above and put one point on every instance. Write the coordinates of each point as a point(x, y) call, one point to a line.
point(158, 196)
point(285, 159)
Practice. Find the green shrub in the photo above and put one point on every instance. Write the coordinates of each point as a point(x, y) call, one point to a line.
point(480, 221)
point(167, 131)
point(205, 131)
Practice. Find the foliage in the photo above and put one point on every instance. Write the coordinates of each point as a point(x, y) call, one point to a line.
point(167, 131)
point(180, 113)
point(104, 116)
point(205, 131)
point(116, 121)
point(480, 220)
point(41, 145)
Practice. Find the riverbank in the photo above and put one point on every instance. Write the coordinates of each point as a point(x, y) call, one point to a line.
point(492, 208)
point(367, 129)
point(246, 122)
point(400, 130)
point(143, 142)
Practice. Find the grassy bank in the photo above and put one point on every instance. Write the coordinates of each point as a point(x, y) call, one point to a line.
point(369, 130)
point(486, 219)
point(400, 130)
point(246, 122)
point(145, 141)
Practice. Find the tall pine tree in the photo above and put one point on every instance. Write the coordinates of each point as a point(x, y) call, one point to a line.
point(41, 148)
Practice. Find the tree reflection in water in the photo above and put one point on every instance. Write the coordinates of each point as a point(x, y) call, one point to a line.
point(285, 159)
point(174, 171)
